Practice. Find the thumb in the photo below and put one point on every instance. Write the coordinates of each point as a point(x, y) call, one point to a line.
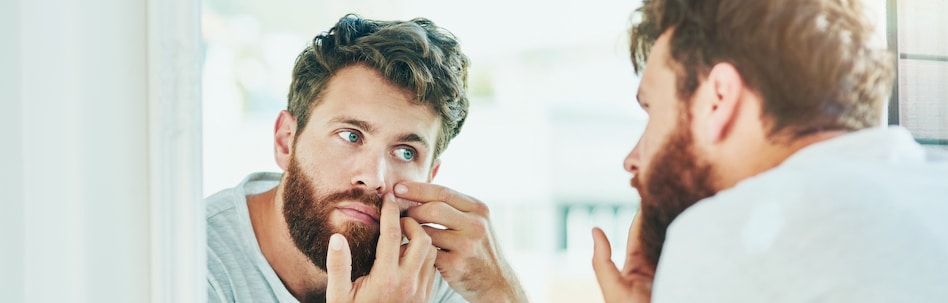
point(606, 272)
point(338, 269)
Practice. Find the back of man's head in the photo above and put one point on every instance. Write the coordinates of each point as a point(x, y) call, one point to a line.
point(810, 60)
point(414, 55)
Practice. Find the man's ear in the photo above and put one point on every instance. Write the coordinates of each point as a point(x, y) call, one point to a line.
point(727, 86)
point(434, 169)
point(283, 134)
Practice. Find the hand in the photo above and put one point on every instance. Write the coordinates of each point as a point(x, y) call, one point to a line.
point(468, 256)
point(399, 274)
point(634, 282)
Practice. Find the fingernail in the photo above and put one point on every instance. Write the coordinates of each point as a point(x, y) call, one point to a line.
point(336, 242)
point(401, 189)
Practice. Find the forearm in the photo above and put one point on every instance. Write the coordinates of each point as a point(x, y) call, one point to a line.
point(506, 288)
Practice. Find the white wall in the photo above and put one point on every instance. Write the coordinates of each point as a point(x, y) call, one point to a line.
point(84, 203)
point(11, 183)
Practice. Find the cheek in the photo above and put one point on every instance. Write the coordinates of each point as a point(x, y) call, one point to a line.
point(323, 169)
point(654, 139)
point(407, 172)
point(327, 154)
point(648, 143)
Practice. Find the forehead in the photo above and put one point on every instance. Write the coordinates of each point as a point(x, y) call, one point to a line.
point(361, 92)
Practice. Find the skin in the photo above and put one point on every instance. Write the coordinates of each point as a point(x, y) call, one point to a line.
point(468, 256)
point(358, 100)
point(728, 130)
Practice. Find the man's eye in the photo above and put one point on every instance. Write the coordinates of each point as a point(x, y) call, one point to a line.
point(351, 136)
point(404, 153)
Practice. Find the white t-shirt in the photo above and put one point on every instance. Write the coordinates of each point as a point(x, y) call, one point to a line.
point(859, 218)
point(237, 270)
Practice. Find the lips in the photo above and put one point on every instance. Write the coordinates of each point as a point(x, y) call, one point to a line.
point(360, 212)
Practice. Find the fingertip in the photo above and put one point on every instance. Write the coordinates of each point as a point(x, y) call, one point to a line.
point(597, 233)
point(401, 188)
point(338, 268)
point(388, 203)
point(601, 246)
point(337, 242)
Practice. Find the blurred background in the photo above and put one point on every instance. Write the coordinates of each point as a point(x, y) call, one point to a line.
point(119, 116)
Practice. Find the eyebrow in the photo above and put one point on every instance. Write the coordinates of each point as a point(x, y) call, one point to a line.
point(360, 124)
point(369, 128)
point(414, 138)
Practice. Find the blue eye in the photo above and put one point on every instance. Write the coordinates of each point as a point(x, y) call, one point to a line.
point(404, 153)
point(351, 136)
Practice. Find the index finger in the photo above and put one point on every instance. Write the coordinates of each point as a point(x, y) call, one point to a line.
point(607, 274)
point(390, 237)
point(427, 192)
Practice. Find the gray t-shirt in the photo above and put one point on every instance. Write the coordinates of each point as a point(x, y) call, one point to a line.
point(237, 269)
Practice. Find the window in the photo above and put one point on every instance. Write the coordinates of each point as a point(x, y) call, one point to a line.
point(920, 98)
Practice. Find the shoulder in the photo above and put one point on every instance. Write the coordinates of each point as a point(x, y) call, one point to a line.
point(836, 229)
point(219, 288)
point(219, 203)
point(222, 244)
point(859, 195)
point(223, 218)
point(227, 199)
point(237, 271)
point(226, 211)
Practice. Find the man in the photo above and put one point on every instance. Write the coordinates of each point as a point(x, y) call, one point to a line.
point(372, 105)
point(763, 171)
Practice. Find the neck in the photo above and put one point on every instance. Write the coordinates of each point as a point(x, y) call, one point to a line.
point(766, 155)
point(298, 273)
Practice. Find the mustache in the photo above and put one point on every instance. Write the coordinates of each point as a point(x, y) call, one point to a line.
point(635, 182)
point(355, 194)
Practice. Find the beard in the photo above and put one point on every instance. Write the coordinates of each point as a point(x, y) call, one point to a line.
point(307, 214)
point(676, 180)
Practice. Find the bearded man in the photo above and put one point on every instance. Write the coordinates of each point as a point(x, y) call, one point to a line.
point(372, 105)
point(764, 173)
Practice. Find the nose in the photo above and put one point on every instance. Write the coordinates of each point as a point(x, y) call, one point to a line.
point(370, 173)
point(633, 161)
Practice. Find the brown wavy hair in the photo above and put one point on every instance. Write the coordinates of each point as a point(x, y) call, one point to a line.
point(810, 60)
point(415, 55)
